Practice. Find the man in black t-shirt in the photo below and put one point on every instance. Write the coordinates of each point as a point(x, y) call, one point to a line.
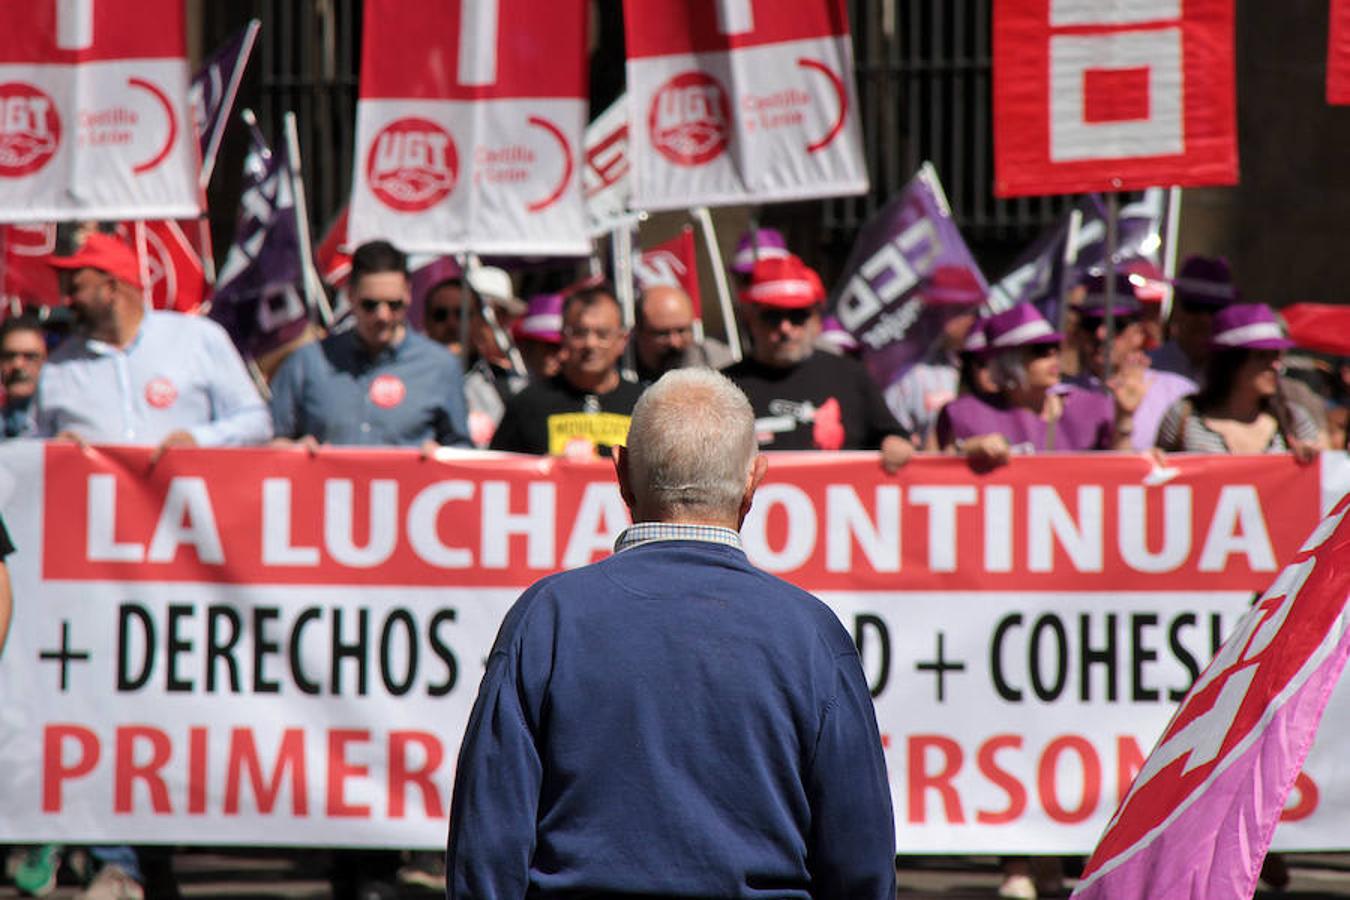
point(585, 408)
point(803, 399)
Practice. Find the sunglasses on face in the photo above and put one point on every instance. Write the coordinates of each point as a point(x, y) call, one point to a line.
point(773, 316)
point(1040, 351)
point(439, 314)
point(371, 304)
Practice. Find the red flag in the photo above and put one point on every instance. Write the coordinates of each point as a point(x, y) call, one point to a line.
point(331, 257)
point(675, 263)
point(27, 275)
point(1338, 54)
point(1324, 327)
point(1113, 95)
point(172, 267)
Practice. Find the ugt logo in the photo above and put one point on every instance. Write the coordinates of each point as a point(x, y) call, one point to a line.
point(30, 129)
point(412, 164)
point(690, 119)
point(1115, 80)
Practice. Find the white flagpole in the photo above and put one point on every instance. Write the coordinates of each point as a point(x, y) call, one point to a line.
point(1170, 242)
point(705, 225)
point(315, 296)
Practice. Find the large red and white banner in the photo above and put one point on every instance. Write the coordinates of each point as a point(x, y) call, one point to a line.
point(96, 122)
point(741, 101)
point(267, 646)
point(469, 127)
point(606, 176)
point(1111, 95)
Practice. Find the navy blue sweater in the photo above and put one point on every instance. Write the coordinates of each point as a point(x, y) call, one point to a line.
point(671, 722)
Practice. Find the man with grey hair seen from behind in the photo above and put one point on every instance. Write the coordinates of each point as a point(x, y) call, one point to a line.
point(672, 721)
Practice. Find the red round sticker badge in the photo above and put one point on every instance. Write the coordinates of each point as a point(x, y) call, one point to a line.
point(30, 129)
point(690, 119)
point(160, 393)
point(387, 391)
point(412, 164)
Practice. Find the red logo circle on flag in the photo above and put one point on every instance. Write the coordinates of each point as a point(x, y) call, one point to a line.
point(412, 164)
point(690, 119)
point(160, 393)
point(30, 129)
point(387, 391)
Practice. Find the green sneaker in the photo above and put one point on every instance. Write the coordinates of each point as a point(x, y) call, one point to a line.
point(35, 875)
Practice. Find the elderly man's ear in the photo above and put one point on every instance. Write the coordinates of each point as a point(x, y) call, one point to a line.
point(758, 469)
point(621, 472)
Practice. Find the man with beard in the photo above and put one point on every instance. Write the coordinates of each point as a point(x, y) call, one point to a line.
point(803, 399)
point(134, 375)
point(585, 408)
point(378, 383)
point(663, 335)
point(23, 350)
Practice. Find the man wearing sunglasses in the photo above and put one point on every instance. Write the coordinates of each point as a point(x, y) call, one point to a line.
point(379, 383)
point(803, 399)
point(23, 350)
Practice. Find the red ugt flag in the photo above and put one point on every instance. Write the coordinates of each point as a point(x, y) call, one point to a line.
point(94, 120)
point(1110, 95)
point(741, 101)
point(469, 126)
point(674, 263)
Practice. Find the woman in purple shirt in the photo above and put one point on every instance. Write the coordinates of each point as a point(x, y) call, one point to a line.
point(1031, 411)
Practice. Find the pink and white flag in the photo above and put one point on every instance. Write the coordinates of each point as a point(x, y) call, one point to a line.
point(741, 101)
point(469, 127)
point(94, 120)
point(1200, 815)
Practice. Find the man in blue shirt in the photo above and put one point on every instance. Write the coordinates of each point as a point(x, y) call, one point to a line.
point(672, 721)
point(378, 383)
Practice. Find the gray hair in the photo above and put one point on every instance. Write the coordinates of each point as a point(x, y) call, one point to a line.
point(691, 444)
point(1008, 369)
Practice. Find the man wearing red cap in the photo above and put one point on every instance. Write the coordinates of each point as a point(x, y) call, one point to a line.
point(804, 400)
point(134, 375)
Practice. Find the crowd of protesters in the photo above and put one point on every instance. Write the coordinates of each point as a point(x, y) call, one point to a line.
point(560, 374)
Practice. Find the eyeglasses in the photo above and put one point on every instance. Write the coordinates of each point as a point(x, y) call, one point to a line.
point(439, 314)
point(773, 316)
point(371, 304)
point(601, 335)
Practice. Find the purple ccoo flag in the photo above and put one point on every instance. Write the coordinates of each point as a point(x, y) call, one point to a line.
point(909, 273)
point(259, 297)
point(213, 91)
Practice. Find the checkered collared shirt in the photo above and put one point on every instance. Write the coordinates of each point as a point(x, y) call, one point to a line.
point(650, 532)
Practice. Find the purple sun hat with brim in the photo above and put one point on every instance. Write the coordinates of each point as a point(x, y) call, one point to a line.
point(542, 320)
point(1248, 326)
point(1019, 326)
point(952, 286)
point(771, 243)
point(977, 340)
point(1124, 305)
point(1205, 281)
point(833, 332)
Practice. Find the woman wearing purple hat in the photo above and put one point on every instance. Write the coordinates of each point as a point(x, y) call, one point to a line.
point(1241, 408)
point(1030, 411)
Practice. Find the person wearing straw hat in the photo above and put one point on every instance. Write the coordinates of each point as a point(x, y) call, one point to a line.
point(135, 375)
point(1031, 412)
point(1241, 407)
point(805, 399)
point(491, 380)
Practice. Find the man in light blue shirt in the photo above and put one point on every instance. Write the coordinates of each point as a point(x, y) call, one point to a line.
point(378, 383)
point(130, 375)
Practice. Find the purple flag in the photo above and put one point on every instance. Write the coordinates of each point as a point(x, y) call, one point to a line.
point(213, 91)
point(259, 294)
point(909, 273)
point(1201, 813)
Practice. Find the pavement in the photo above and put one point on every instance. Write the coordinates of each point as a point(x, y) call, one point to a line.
point(255, 874)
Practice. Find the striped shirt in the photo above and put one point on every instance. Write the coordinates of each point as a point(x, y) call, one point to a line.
point(650, 532)
point(1200, 438)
